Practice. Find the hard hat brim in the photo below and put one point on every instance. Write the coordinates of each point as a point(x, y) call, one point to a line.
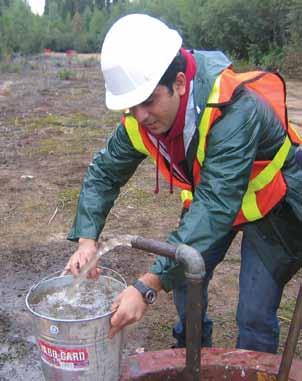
point(122, 102)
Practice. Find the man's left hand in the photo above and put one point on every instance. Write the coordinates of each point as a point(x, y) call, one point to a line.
point(129, 308)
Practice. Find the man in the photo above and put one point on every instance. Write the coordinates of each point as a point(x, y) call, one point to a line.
point(225, 140)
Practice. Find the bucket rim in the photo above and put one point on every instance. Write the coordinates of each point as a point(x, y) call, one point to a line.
point(58, 274)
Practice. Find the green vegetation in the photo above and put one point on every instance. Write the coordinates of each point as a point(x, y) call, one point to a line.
point(68, 197)
point(67, 75)
point(258, 33)
point(9, 67)
point(66, 134)
point(67, 121)
point(55, 146)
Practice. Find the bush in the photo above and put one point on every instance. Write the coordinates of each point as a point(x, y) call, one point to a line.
point(273, 60)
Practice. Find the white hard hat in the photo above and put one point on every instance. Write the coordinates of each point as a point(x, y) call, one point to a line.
point(136, 52)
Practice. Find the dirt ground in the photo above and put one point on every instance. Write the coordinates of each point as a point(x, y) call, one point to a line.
point(52, 120)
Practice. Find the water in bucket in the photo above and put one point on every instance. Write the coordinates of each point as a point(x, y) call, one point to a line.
point(93, 298)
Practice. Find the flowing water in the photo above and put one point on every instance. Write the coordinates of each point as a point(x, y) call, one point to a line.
point(124, 240)
point(79, 297)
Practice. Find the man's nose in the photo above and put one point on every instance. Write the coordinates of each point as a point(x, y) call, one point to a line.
point(140, 113)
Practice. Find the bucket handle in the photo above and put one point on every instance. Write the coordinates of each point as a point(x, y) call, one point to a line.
point(59, 274)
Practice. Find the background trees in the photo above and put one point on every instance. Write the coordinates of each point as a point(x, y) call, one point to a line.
point(260, 32)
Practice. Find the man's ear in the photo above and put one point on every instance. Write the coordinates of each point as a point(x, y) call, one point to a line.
point(180, 83)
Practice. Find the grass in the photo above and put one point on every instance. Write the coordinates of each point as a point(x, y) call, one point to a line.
point(73, 120)
point(67, 75)
point(8, 67)
point(66, 134)
point(69, 197)
point(57, 146)
point(70, 134)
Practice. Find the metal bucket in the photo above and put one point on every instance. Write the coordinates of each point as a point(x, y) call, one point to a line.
point(76, 350)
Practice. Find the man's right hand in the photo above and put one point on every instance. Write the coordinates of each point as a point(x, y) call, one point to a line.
point(86, 251)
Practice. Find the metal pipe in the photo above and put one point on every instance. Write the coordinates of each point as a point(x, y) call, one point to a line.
point(292, 340)
point(194, 273)
point(153, 246)
point(192, 261)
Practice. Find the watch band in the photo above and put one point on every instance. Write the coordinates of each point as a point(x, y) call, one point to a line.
point(148, 293)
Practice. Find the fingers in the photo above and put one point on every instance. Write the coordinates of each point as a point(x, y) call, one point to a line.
point(115, 305)
point(114, 330)
point(130, 308)
point(85, 253)
point(74, 264)
point(94, 273)
point(118, 322)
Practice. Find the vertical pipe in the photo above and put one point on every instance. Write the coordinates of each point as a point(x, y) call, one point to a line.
point(291, 341)
point(194, 269)
point(193, 330)
point(194, 272)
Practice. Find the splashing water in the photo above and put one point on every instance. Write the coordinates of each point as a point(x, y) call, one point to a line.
point(123, 240)
point(82, 297)
point(95, 299)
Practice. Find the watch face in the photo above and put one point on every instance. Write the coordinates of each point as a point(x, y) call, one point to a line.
point(150, 296)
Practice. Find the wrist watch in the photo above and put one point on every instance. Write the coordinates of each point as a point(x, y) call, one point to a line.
point(148, 293)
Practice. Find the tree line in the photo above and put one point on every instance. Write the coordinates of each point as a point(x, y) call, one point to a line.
point(260, 32)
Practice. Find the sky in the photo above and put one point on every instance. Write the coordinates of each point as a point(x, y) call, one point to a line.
point(37, 6)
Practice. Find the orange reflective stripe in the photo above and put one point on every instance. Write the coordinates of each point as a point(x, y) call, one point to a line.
point(196, 172)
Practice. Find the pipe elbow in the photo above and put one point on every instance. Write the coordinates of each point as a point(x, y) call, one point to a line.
point(192, 261)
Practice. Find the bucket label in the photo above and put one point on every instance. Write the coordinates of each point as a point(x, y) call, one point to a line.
point(64, 358)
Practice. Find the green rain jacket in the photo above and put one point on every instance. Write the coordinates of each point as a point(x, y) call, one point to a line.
point(247, 130)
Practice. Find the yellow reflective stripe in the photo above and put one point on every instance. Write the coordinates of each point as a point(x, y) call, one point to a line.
point(249, 202)
point(249, 206)
point(269, 172)
point(132, 129)
point(205, 124)
point(186, 195)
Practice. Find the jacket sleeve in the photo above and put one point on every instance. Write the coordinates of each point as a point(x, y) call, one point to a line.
point(110, 169)
point(231, 149)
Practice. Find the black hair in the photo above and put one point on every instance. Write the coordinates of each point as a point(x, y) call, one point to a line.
point(179, 64)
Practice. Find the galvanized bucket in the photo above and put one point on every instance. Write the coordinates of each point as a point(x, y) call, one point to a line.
point(76, 350)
